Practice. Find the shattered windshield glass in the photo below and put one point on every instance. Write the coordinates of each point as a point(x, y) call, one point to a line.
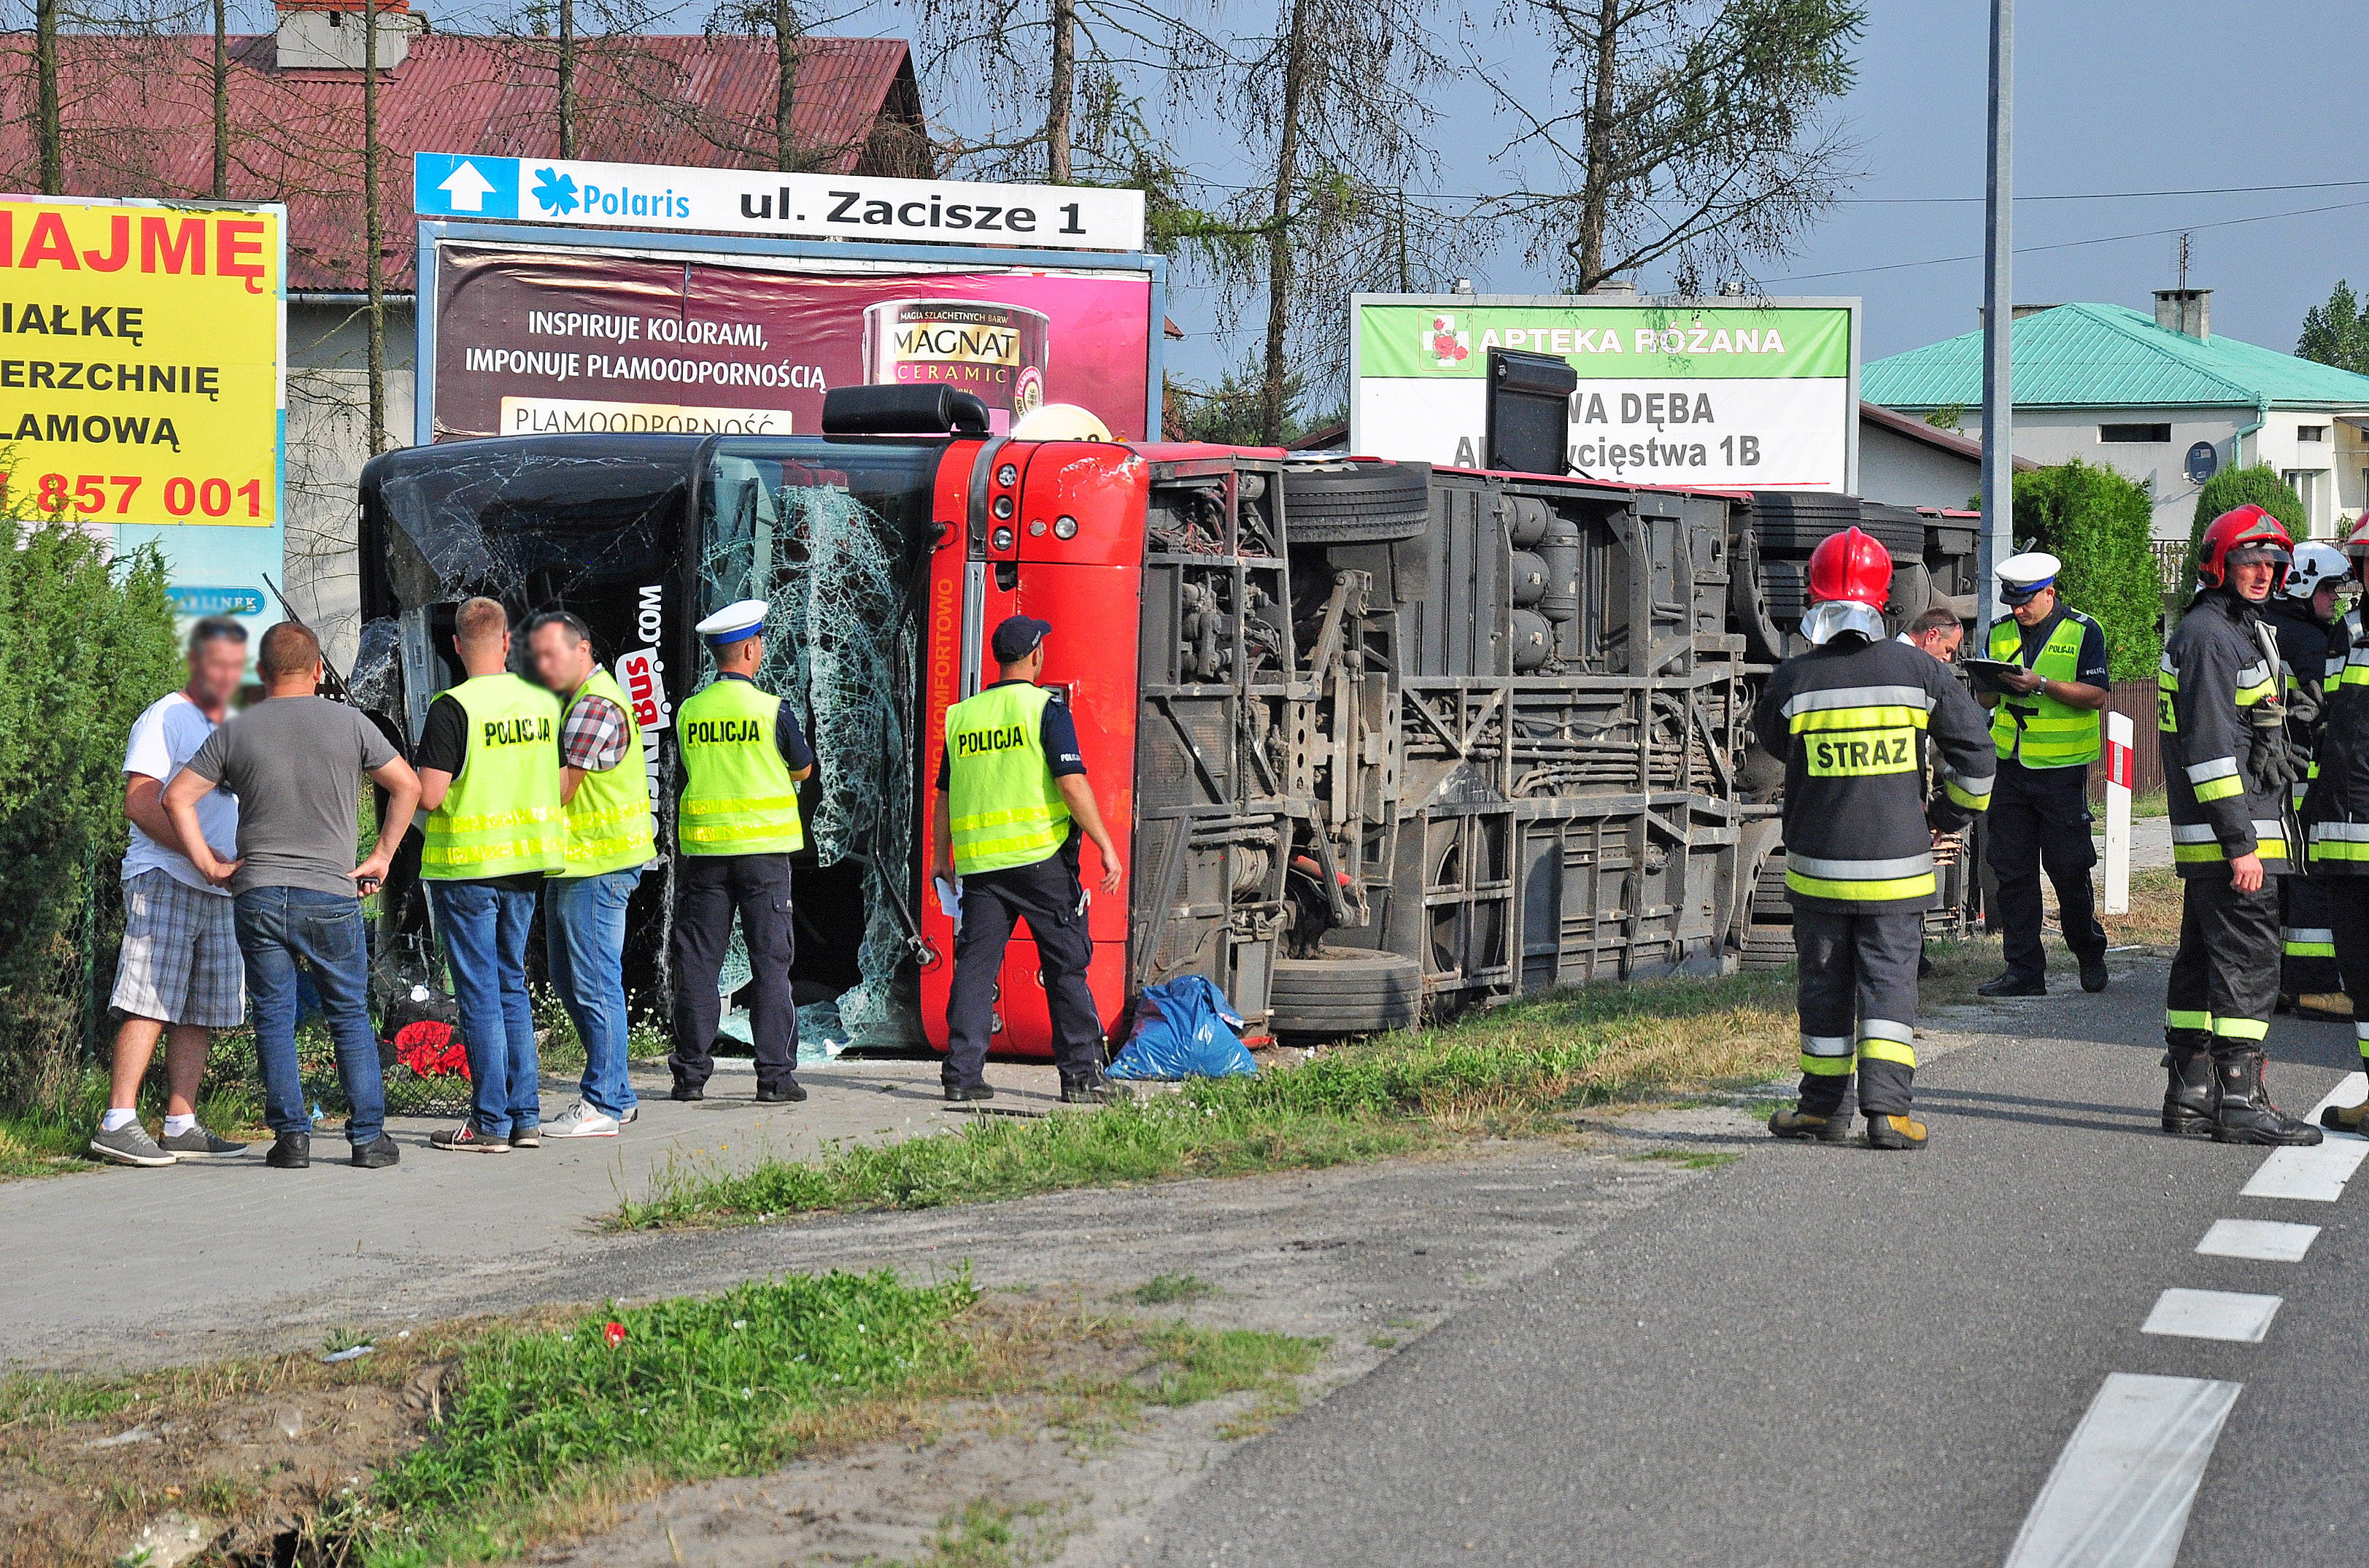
point(835, 537)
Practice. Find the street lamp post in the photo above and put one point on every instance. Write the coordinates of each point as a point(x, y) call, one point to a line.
point(1999, 313)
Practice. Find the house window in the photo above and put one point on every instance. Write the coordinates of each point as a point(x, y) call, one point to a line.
point(2311, 432)
point(2308, 487)
point(2156, 434)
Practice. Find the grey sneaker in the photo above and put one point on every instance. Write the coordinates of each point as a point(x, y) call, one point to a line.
point(199, 1144)
point(128, 1145)
point(580, 1120)
point(466, 1139)
point(633, 1114)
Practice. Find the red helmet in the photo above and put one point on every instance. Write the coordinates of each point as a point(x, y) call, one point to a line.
point(1850, 565)
point(2247, 528)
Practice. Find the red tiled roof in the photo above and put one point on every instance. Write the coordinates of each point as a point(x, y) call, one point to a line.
point(139, 121)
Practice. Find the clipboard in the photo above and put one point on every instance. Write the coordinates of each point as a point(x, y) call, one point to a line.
point(1986, 673)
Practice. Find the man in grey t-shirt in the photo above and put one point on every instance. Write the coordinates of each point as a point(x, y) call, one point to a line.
point(295, 761)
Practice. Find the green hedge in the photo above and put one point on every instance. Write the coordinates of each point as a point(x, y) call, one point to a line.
point(2231, 488)
point(2099, 524)
point(86, 643)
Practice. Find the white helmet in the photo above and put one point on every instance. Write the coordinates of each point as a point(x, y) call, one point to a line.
point(2315, 567)
point(1059, 422)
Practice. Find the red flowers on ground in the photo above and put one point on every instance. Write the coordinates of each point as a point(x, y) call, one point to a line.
point(429, 1049)
point(614, 1333)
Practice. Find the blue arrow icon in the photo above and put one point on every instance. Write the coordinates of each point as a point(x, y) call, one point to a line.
point(464, 185)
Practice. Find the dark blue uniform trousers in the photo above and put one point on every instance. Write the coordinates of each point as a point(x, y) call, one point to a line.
point(1049, 898)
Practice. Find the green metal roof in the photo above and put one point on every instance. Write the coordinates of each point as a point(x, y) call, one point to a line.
point(2104, 356)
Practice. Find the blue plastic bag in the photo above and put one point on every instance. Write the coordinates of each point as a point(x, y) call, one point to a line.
point(1184, 1028)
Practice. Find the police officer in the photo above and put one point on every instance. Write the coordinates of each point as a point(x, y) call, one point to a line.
point(2046, 734)
point(1012, 799)
point(2227, 771)
point(2336, 819)
point(1847, 717)
point(736, 826)
point(2302, 612)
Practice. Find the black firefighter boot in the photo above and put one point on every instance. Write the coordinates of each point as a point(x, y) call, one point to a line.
point(2188, 1097)
point(2243, 1111)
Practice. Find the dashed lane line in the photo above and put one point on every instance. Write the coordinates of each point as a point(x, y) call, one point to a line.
point(2119, 1495)
point(2122, 1490)
point(2212, 1315)
point(2264, 1241)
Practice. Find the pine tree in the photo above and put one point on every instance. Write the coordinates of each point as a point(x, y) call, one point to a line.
point(2337, 333)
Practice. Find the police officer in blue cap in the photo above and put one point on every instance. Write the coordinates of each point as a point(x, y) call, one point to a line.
point(1013, 799)
point(2046, 730)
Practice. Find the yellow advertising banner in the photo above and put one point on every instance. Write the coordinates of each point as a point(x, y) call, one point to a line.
point(142, 347)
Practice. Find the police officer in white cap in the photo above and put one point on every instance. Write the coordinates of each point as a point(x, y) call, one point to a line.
point(2047, 732)
point(735, 826)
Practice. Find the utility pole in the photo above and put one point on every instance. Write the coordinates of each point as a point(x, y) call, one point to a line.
point(1999, 315)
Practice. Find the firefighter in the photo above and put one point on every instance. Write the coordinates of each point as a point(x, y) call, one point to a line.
point(2046, 733)
point(2228, 770)
point(1847, 717)
point(2302, 612)
point(2335, 818)
point(1012, 799)
point(736, 826)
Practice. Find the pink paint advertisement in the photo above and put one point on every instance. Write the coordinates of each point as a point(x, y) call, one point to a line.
point(539, 342)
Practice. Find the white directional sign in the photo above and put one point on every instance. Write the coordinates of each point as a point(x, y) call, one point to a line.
point(779, 206)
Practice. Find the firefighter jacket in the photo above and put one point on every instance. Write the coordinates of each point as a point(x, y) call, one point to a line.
point(2336, 808)
point(1849, 718)
point(2219, 666)
point(2305, 645)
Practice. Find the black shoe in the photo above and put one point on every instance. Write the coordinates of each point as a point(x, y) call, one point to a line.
point(2093, 974)
point(958, 1094)
point(1091, 1090)
point(378, 1153)
point(2012, 984)
point(1833, 1127)
point(689, 1092)
point(788, 1091)
point(291, 1151)
point(2188, 1094)
point(1894, 1132)
point(2243, 1111)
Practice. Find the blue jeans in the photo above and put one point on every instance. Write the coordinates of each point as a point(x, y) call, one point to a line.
point(277, 928)
point(482, 929)
point(584, 942)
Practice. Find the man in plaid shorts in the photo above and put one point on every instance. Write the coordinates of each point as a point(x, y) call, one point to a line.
point(181, 974)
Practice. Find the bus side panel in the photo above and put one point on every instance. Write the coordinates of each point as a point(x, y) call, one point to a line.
point(1089, 588)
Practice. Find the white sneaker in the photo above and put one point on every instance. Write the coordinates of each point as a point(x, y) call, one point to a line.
point(580, 1120)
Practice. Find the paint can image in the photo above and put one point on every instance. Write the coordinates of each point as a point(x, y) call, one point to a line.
point(998, 351)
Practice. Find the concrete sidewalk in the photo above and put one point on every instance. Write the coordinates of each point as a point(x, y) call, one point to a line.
point(214, 1257)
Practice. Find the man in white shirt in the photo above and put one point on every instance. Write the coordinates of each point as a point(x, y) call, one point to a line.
point(181, 974)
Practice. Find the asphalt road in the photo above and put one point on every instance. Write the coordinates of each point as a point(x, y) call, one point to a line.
point(1827, 1355)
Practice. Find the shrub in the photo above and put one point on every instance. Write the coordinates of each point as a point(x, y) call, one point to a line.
point(2234, 487)
point(86, 643)
point(2098, 524)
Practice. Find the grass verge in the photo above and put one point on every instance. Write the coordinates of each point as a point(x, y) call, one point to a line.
point(1513, 1069)
point(484, 1441)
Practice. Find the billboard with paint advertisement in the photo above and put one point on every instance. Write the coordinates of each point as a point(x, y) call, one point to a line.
point(1752, 394)
point(541, 339)
point(142, 386)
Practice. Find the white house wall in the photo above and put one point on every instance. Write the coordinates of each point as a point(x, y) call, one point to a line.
point(1904, 472)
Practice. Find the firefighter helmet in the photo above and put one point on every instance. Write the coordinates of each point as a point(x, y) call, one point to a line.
point(2247, 531)
point(1850, 565)
point(2315, 567)
point(2356, 543)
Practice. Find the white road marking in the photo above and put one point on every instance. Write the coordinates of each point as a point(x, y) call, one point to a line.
point(2212, 1314)
point(2119, 1495)
point(2317, 1174)
point(2269, 1241)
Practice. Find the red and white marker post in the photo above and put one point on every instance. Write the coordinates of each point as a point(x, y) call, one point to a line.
point(2117, 814)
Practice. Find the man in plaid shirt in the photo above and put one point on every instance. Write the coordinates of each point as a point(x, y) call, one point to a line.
point(605, 788)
